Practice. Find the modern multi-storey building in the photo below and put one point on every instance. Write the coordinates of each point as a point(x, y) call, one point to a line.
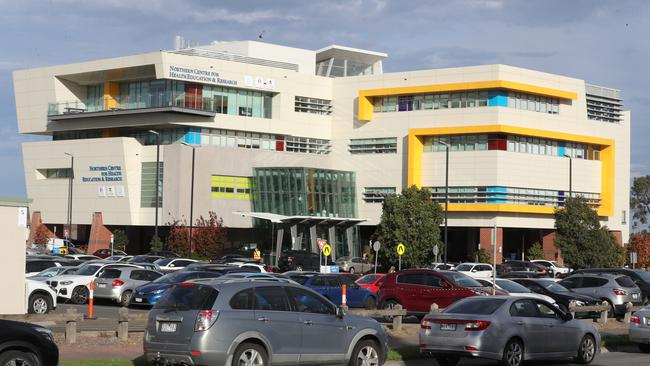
point(288, 145)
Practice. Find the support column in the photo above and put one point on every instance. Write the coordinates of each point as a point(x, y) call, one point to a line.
point(348, 238)
point(485, 240)
point(312, 239)
point(332, 241)
point(619, 237)
point(100, 236)
point(278, 244)
point(294, 233)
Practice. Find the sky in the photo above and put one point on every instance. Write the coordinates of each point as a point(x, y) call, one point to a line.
point(603, 42)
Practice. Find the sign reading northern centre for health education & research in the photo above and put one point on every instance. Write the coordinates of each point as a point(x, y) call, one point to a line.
point(198, 75)
point(103, 173)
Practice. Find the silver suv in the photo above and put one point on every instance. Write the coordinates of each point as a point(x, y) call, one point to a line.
point(616, 289)
point(257, 322)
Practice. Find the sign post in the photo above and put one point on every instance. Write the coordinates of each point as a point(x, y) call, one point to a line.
point(400, 251)
point(375, 246)
point(493, 239)
point(112, 242)
point(321, 243)
point(633, 259)
point(436, 250)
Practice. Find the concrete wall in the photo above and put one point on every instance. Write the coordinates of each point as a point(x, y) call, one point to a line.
point(13, 217)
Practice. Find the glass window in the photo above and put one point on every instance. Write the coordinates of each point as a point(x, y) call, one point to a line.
point(188, 296)
point(475, 305)
point(271, 299)
point(524, 308)
point(110, 273)
point(243, 300)
point(309, 302)
point(546, 311)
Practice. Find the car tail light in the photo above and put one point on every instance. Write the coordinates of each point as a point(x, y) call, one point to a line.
point(619, 292)
point(117, 283)
point(477, 325)
point(425, 324)
point(471, 348)
point(635, 319)
point(205, 319)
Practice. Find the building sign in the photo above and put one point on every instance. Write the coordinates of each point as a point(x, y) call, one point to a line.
point(103, 173)
point(111, 191)
point(199, 75)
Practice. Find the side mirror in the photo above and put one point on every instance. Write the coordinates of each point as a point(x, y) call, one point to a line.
point(473, 271)
point(340, 312)
point(567, 317)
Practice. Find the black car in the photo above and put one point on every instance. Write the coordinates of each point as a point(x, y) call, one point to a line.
point(640, 277)
point(35, 264)
point(560, 294)
point(299, 260)
point(27, 344)
point(521, 274)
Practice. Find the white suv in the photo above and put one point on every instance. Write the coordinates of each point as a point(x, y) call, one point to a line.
point(552, 266)
point(39, 297)
point(475, 270)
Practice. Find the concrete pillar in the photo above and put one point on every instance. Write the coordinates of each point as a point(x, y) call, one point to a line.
point(34, 225)
point(619, 237)
point(100, 236)
point(348, 238)
point(294, 237)
point(331, 240)
point(485, 240)
point(312, 239)
point(278, 244)
point(551, 252)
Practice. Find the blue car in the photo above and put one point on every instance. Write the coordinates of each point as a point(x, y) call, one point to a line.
point(330, 286)
point(148, 295)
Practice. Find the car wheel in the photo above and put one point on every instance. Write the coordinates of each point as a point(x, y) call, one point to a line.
point(15, 358)
point(352, 270)
point(299, 268)
point(125, 299)
point(587, 350)
point(645, 348)
point(39, 304)
point(249, 354)
point(79, 295)
point(371, 303)
point(389, 305)
point(366, 353)
point(447, 360)
point(513, 353)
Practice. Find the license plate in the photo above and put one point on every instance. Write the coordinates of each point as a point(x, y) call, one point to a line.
point(445, 326)
point(138, 299)
point(168, 327)
point(635, 296)
point(101, 285)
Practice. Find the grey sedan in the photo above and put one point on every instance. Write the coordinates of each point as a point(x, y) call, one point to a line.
point(640, 329)
point(509, 329)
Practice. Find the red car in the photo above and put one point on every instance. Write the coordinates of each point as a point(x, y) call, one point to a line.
point(371, 282)
point(105, 253)
point(417, 289)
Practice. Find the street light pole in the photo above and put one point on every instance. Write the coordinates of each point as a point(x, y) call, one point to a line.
point(446, 195)
point(570, 174)
point(155, 231)
point(70, 181)
point(191, 195)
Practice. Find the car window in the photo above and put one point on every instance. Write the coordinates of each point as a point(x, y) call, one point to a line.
point(533, 287)
point(524, 308)
point(464, 267)
point(593, 281)
point(380, 282)
point(188, 296)
point(544, 263)
point(301, 279)
point(331, 281)
point(243, 300)
point(512, 287)
point(367, 279)
point(182, 263)
point(356, 260)
point(462, 279)
point(110, 273)
point(625, 281)
point(475, 306)
point(411, 279)
point(319, 281)
point(271, 299)
point(546, 311)
point(484, 268)
point(308, 302)
point(431, 280)
point(163, 261)
point(571, 282)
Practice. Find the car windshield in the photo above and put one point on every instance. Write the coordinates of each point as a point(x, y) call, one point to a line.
point(367, 279)
point(143, 259)
point(645, 275)
point(475, 306)
point(464, 267)
point(188, 297)
point(553, 287)
point(173, 277)
point(513, 287)
point(50, 272)
point(625, 281)
point(463, 280)
point(163, 261)
point(88, 270)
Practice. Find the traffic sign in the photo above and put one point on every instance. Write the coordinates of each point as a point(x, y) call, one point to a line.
point(400, 249)
point(436, 250)
point(375, 246)
point(327, 250)
point(321, 243)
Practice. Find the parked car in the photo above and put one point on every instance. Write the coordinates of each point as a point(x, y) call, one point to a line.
point(354, 264)
point(515, 289)
point(163, 253)
point(36, 264)
point(553, 267)
point(27, 344)
point(219, 268)
point(299, 260)
point(256, 322)
point(521, 274)
point(330, 286)
point(511, 330)
point(253, 266)
point(105, 253)
point(639, 329)
point(148, 294)
point(417, 289)
point(117, 284)
point(82, 257)
point(75, 287)
point(144, 259)
point(616, 289)
point(522, 266)
point(119, 258)
point(300, 276)
point(53, 271)
point(443, 266)
point(39, 297)
point(560, 294)
point(227, 258)
point(640, 277)
point(463, 280)
point(173, 264)
point(371, 282)
point(475, 270)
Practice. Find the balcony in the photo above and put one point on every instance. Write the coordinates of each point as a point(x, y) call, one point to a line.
point(174, 102)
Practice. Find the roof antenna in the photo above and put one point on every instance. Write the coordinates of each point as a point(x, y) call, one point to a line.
point(261, 34)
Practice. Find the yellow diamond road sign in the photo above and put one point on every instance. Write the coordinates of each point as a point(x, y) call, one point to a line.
point(327, 250)
point(400, 249)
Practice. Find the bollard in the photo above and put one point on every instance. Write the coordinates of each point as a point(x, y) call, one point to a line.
point(71, 326)
point(397, 319)
point(123, 324)
point(603, 314)
point(572, 306)
point(344, 297)
point(628, 312)
point(90, 301)
point(434, 308)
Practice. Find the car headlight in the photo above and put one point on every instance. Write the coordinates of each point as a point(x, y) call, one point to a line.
point(65, 283)
point(46, 333)
point(156, 292)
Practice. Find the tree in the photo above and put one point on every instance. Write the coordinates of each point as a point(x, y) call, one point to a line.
point(584, 243)
point(483, 255)
point(640, 200)
point(41, 236)
point(208, 236)
point(178, 238)
point(120, 240)
point(640, 243)
point(155, 243)
point(536, 251)
point(411, 218)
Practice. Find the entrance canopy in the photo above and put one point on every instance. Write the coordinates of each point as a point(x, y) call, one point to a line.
point(308, 220)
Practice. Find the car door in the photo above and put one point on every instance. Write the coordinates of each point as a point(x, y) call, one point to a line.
point(530, 326)
point(412, 293)
point(435, 289)
point(279, 325)
point(325, 336)
point(562, 335)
